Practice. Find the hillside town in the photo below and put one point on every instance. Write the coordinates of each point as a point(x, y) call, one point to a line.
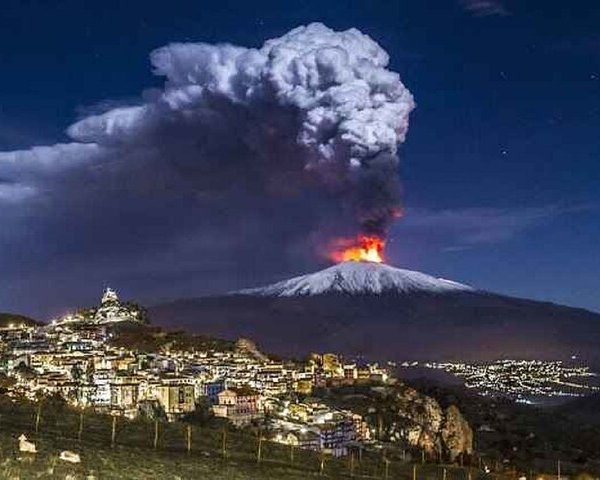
point(76, 357)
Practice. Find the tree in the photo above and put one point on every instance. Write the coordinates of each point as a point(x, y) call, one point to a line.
point(152, 409)
point(202, 415)
point(25, 372)
point(76, 373)
point(142, 312)
point(6, 382)
point(89, 372)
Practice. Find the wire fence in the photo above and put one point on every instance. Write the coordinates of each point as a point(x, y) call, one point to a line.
point(68, 428)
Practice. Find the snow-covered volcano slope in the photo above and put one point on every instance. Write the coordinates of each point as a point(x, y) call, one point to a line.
point(388, 313)
point(359, 278)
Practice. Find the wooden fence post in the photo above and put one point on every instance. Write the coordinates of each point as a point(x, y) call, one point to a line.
point(114, 431)
point(38, 415)
point(322, 466)
point(155, 434)
point(189, 438)
point(291, 454)
point(414, 475)
point(224, 442)
point(444, 474)
point(423, 457)
point(351, 464)
point(80, 431)
point(259, 450)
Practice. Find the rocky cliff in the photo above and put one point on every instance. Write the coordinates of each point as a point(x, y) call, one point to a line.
point(456, 433)
point(402, 415)
point(248, 347)
point(424, 424)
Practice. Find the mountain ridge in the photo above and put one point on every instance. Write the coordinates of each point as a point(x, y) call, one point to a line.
point(423, 322)
point(7, 319)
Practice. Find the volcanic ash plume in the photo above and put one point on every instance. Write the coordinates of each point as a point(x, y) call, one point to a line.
point(296, 137)
point(327, 92)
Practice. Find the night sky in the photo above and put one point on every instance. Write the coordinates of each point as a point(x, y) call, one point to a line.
point(499, 170)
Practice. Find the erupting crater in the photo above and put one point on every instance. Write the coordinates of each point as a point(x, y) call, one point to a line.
point(365, 248)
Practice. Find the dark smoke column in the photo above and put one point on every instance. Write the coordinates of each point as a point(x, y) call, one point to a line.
point(378, 194)
point(313, 102)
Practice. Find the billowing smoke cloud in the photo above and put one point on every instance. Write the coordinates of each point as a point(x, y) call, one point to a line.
point(327, 93)
point(299, 136)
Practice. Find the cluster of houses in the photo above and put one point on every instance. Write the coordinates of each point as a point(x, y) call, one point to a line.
point(75, 358)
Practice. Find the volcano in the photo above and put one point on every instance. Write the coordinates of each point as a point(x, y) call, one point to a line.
point(359, 278)
point(387, 313)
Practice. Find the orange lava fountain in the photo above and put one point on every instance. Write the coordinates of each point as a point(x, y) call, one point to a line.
point(366, 248)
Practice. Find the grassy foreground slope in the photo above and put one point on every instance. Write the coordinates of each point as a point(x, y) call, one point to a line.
point(126, 463)
point(122, 462)
point(139, 452)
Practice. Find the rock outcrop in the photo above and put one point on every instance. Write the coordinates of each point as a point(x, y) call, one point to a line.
point(456, 433)
point(424, 424)
point(247, 346)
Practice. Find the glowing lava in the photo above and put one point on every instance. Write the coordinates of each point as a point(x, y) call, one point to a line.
point(366, 248)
